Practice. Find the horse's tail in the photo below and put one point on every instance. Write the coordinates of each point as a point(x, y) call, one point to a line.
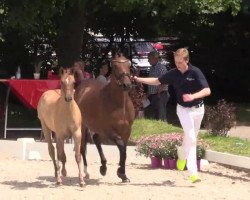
point(88, 136)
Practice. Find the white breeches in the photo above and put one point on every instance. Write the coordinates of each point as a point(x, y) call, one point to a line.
point(190, 119)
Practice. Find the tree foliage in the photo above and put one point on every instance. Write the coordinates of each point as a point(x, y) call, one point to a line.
point(61, 23)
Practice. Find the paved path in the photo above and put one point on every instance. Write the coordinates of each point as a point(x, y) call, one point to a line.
point(240, 131)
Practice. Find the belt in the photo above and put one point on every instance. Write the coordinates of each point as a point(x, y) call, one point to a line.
point(195, 106)
point(158, 93)
point(198, 105)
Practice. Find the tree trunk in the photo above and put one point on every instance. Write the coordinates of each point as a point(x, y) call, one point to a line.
point(70, 37)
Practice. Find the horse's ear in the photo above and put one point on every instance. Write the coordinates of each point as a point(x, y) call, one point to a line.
point(72, 70)
point(61, 71)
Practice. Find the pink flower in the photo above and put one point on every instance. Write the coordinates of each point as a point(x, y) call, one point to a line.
point(164, 145)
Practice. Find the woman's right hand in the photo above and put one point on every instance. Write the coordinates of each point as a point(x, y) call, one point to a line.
point(134, 78)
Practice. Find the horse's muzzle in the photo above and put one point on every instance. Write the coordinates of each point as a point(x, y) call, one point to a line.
point(126, 86)
point(68, 99)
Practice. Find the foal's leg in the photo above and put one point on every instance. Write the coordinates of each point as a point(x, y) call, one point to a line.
point(48, 138)
point(60, 157)
point(103, 168)
point(123, 155)
point(77, 140)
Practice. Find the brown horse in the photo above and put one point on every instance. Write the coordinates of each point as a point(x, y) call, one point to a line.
point(58, 112)
point(108, 110)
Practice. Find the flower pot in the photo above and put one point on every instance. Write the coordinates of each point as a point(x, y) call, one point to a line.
point(156, 162)
point(172, 163)
point(166, 163)
point(36, 75)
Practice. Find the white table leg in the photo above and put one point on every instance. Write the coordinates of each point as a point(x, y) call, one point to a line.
point(6, 112)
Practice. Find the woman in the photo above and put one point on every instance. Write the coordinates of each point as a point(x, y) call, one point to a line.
point(80, 73)
point(191, 87)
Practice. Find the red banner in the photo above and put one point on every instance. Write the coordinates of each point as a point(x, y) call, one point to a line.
point(30, 91)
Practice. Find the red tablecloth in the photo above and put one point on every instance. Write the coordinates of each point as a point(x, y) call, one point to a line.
point(30, 91)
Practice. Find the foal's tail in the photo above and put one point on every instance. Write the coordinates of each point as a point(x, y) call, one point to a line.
point(42, 138)
point(46, 134)
point(84, 145)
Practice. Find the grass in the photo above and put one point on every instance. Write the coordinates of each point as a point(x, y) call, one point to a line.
point(149, 127)
point(230, 145)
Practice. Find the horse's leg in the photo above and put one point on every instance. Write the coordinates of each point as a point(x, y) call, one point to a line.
point(97, 141)
point(123, 155)
point(48, 138)
point(84, 150)
point(60, 157)
point(77, 140)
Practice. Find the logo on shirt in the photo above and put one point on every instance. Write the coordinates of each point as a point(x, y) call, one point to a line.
point(190, 79)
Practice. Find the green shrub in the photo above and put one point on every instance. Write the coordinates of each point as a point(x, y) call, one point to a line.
point(219, 119)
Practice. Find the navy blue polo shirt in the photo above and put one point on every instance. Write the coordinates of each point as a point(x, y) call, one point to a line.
point(192, 81)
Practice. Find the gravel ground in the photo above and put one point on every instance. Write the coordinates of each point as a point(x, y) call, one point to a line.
point(34, 179)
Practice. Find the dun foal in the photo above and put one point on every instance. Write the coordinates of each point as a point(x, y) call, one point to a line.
point(108, 111)
point(58, 112)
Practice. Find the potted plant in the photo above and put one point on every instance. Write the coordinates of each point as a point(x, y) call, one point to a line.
point(159, 146)
point(165, 146)
point(156, 149)
point(201, 152)
point(37, 69)
point(201, 149)
point(170, 143)
point(149, 147)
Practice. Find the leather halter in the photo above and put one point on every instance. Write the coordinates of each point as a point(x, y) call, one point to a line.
point(120, 76)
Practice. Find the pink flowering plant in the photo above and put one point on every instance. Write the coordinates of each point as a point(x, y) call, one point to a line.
point(149, 146)
point(165, 146)
point(170, 141)
point(201, 149)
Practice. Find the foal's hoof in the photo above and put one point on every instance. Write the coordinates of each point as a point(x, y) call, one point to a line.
point(82, 184)
point(103, 170)
point(58, 183)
